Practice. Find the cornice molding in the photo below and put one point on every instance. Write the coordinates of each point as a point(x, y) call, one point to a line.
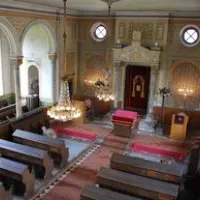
point(50, 10)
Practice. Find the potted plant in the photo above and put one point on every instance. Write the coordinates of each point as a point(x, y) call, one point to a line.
point(10, 98)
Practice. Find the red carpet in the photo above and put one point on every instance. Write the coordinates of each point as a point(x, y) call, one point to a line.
point(161, 146)
point(76, 133)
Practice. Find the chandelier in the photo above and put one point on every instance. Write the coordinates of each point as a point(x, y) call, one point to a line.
point(104, 91)
point(64, 110)
point(103, 88)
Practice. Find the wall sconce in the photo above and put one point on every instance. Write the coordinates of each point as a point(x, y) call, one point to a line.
point(185, 92)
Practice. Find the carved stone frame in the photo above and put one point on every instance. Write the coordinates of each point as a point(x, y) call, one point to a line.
point(134, 54)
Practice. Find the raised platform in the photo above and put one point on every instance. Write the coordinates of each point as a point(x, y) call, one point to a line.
point(124, 123)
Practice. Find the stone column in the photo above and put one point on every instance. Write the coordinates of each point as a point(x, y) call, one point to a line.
point(16, 62)
point(153, 87)
point(117, 83)
point(55, 89)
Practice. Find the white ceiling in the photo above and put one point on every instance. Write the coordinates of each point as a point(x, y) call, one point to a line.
point(123, 5)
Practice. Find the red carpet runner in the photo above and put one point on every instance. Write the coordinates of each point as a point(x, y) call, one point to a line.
point(76, 133)
point(161, 146)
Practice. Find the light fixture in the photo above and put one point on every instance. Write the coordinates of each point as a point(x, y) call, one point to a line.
point(109, 3)
point(185, 92)
point(103, 88)
point(64, 110)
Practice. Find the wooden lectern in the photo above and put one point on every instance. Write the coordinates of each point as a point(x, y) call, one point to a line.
point(179, 126)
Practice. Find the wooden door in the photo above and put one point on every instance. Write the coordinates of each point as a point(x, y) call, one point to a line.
point(137, 88)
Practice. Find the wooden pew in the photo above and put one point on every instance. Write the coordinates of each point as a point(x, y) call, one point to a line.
point(168, 173)
point(31, 121)
point(37, 157)
point(19, 175)
point(136, 185)
point(53, 146)
point(3, 194)
point(95, 193)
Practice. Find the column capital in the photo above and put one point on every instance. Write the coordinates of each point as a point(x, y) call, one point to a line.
point(52, 56)
point(17, 61)
point(119, 64)
point(155, 68)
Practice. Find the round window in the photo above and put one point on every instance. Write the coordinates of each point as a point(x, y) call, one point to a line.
point(99, 32)
point(190, 35)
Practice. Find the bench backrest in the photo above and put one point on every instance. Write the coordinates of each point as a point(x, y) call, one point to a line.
point(91, 192)
point(31, 121)
point(169, 173)
point(12, 166)
point(38, 138)
point(7, 147)
point(136, 185)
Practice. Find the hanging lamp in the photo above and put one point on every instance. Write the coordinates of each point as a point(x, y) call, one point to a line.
point(104, 91)
point(64, 110)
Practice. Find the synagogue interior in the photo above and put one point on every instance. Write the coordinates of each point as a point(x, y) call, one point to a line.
point(99, 100)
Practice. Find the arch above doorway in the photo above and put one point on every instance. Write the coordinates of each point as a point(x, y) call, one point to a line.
point(51, 35)
point(13, 39)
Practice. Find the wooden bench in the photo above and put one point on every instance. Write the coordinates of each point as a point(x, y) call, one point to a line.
point(42, 163)
point(31, 121)
point(136, 185)
point(168, 173)
point(17, 173)
point(95, 193)
point(53, 146)
point(3, 194)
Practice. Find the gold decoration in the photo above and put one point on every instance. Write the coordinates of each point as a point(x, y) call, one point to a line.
point(185, 81)
point(137, 87)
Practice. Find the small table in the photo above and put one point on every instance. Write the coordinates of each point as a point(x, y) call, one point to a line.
point(125, 122)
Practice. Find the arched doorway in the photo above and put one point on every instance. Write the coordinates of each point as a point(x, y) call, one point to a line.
point(136, 94)
point(38, 43)
point(33, 80)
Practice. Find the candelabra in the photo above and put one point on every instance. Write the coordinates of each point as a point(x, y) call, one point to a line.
point(185, 92)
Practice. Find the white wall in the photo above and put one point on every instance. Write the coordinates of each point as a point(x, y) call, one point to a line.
point(7, 71)
point(35, 51)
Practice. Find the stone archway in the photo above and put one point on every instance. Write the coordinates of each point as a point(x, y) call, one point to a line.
point(135, 55)
point(38, 43)
point(13, 39)
point(48, 30)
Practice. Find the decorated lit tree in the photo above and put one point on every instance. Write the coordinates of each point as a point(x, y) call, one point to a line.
point(163, 92)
